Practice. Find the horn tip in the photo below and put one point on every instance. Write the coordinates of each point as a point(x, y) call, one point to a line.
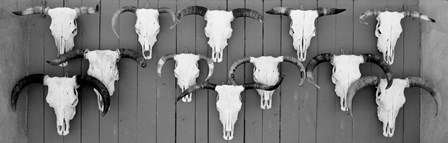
point(270, 11)
point(336, 11)
point(17, 13)
point(97, 8)
point(432, 20)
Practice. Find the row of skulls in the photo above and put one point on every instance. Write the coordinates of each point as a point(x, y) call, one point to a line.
point(103, 71)
point(218, 28)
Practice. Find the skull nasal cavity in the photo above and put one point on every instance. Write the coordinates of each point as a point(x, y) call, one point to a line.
point(146, 53)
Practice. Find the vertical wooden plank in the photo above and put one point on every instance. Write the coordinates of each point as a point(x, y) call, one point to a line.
point(271, 44)
point(375, 125)
point(344, 40)
point(364, 107)
point(127, 95)
point(307, 95)
point(327, 101)
point(289, 105)
point(50, 52)
point(185, 111)
point(165, 84)
point(201, 96)
point(254, 47)
point(235, 51)
point(89, 28)
point(74, 68)
point(36, 93)
point(411, 52)
point(147, 84)
point(398, 70)
point(109, 128)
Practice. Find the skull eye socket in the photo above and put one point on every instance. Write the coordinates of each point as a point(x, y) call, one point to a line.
point(75, 102)
point(379, 31)
point(379, 93)
point(74, 30)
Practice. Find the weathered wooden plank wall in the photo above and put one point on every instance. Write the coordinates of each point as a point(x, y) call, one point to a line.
point(143, 107)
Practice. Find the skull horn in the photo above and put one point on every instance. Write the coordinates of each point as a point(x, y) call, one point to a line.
point(32, 10)
point(419, 82)
point(99, 86)
point(120, 11)
point(248, 86)
point(417, 14)
point(196, 87)
point(296, 62)
point(87, 10)
point(22, 83)
point(280, 11)
point(244, 12)
point(235, 65)
point(367, 14)
point(132, 54)
point(326, 57)
point(196, 10)
point(162, 61)
point(210, 64)
point(381, 63)
point(328, 11)
point(73, 54)
point(357, 85)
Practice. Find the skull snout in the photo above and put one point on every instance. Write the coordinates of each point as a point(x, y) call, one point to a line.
point(344, 104)
point(63, 127)
point(147, 54)
point(187, 98)
point(228, 128)
point(265, 99)
point(217, 56)
point(389, 55)
point(388, 130)
point(301, 48)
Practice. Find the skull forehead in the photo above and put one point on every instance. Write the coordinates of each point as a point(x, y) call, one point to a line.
point(102, 56)
point(186, 59)
point(389, 21)
point(61, 87)
point(218, 17)
point(60, 82)
point(398, 86)
point(147, 19)
point(62, 14)
point(147, 13)
point(103, 65)
point(347, 61)
point(229, 94)
point(392, 98)
point(303, 20)
point(266, 61)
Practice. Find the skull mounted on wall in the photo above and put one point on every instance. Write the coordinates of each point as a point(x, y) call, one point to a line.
point(218, 28)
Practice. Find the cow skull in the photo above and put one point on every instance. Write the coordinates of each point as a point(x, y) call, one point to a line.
point(147, 26)
point(63, 24)
point(186, 70)
point(228, 102)
point(346, 71)
point(390, 100)
point(102, 65)
point(302, 27)
point(266, 72)
point(218, 28)
point(388, 29)
point(62, 95)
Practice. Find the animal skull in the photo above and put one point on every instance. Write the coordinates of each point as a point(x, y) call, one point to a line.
point(388, 29)
point(390, 100)
point(218, 28)
point(228, 102)
point(62, 95)
point(102, 65)
point(147, 26)
point(63, 24)
point(302, 27)
point(266, 72)
point(186, 70)
point(346, 71)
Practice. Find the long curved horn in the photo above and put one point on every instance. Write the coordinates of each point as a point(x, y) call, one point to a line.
point(32, 10)
point(328, 11)
point(196, 87)
point(87, 10)
point(99, 86)
point(357, 85)
point(73, 54)
point(280, 11)
point(197, 10)
point(248, 86)
point(235, 65)
point(22, 83)
point(296, 62)
point(167, 10)
point(162, 61)
point(420, 82)
point(381, 63)
point(367, 14)
point(326, 57)
point(244, 12)
point(132, 54)
point(118, 12)
point(211, 65)
point(417, 14)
